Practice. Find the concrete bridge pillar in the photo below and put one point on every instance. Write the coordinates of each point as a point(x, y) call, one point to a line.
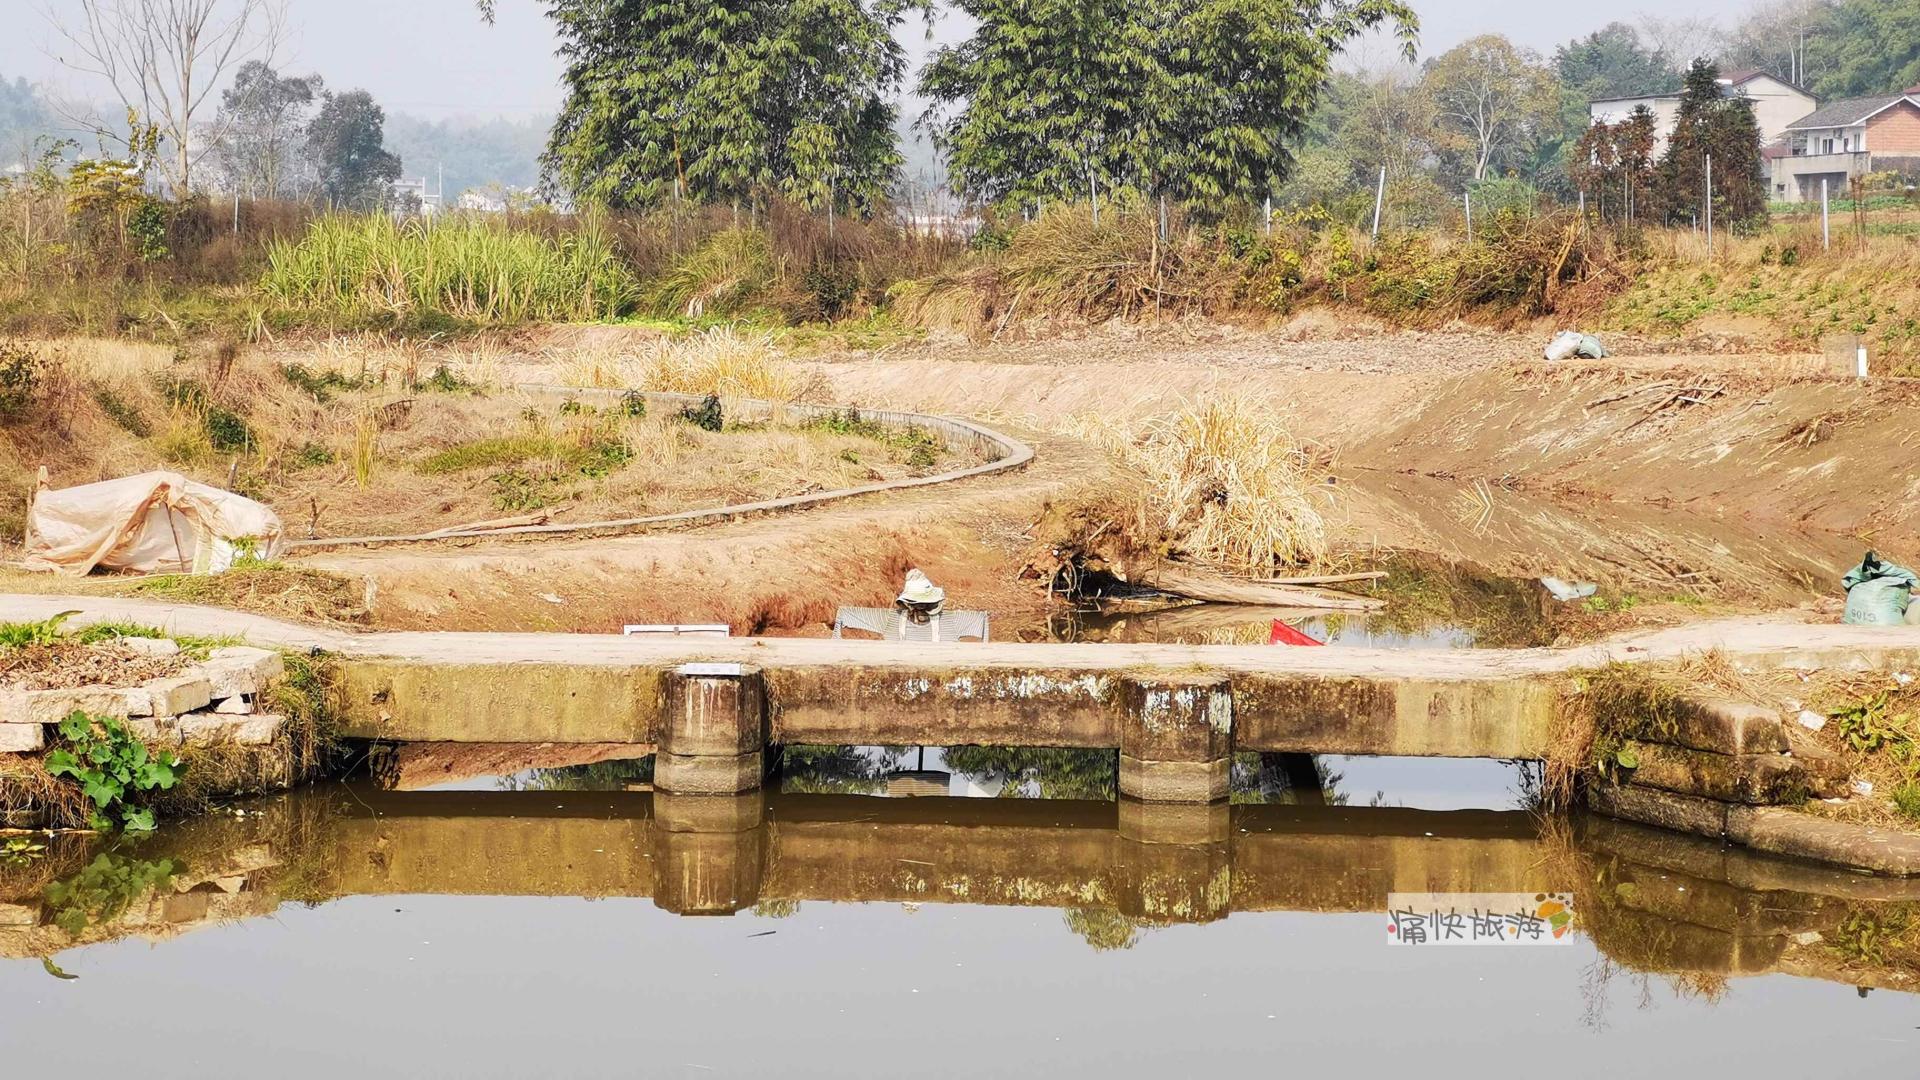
point(709, 852)
point(1176, 735)
point(1178, 867)
point(713, 734)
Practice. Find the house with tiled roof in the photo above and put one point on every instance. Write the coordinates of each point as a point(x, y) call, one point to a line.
point(1776, 103)
point(1844, 139)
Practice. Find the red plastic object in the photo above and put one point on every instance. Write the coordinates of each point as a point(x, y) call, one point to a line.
point(1282, 634)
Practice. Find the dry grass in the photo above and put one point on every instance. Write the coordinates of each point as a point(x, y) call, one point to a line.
point(1225, 481)
point(727, 361)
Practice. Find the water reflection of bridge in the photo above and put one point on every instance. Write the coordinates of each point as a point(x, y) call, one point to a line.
point(1651, 900)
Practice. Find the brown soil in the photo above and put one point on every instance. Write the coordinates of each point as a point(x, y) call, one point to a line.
point(1677, 479)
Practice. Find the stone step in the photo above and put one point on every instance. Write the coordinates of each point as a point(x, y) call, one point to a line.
point(1754, 779)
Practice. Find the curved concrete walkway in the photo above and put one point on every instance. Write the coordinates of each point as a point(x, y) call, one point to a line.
point(1761, 642)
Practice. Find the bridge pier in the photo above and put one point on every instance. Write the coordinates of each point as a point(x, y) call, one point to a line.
point(1176, 736)
point(713, 736)
point(708, 852)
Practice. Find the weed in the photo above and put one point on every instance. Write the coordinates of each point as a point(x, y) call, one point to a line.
point(122, 413)
point(21, 370)
point(320, 385)
point(633, 405)
point(1906, 799)
point(707, 416)
point(366, 447)
point(311, 455)
point(517, 490)
point(227, 431)
point(194, 645)
point(113, 768)
point(446, 381)
point(29, 634)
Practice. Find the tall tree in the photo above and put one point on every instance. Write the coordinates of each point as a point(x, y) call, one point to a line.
point(263, 119)
point(1495, 102)
point(719, 100)
point(164, 58)
point(1613, 165)
point(347, 140)
point(1773, 37)
point(1613, 62)
point(1710, 124)
point(1200, 100)
point(1864, 47)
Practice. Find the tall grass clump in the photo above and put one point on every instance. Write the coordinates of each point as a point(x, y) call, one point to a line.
point(465, 267)
point(726, 273)
point(1224, 483)
point(723, 361)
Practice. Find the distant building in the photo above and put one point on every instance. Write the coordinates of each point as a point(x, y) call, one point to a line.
point(1845, 139)
point(412, 196)
point(1776, 104)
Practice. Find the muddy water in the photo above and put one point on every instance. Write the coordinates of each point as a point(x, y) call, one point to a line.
point(558, 923)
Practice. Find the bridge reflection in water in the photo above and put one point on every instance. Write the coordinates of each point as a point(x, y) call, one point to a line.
point(1649, 900)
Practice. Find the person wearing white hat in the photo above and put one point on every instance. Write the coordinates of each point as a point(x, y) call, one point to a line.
point(921, 599)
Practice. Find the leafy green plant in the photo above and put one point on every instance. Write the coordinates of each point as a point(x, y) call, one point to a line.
point(113, 767)
point(446, 381)
point(1906, 799)
point(227, 431)
point(633, 405)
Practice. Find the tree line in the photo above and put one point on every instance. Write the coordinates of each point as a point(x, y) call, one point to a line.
point(1208, 104)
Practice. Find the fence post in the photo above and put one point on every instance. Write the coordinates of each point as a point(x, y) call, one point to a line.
point(1826, 237)
point(1468, 196)
point(1268, 219)
point(1093, 194)
point(1379, 196)
point(1709, 205)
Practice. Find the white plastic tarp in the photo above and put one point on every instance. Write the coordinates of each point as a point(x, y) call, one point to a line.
point(157, 522)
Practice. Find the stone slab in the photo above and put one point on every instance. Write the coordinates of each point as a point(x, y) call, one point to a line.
point(1788, 832)
point(151, 646)
point(239, 669)
point(22, 738)
point(179, 694)
point(1652, 806)
point(1725, 726)
point(233, 706)
point(53, 706)
point(1753, 779)
point(205, 729)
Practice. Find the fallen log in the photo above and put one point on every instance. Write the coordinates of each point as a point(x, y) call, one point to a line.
point(1207, 585)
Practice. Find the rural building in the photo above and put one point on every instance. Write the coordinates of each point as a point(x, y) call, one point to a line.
point(1776, 104)
point(1845, 139)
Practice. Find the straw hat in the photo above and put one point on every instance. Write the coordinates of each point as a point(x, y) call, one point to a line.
point(921, 591)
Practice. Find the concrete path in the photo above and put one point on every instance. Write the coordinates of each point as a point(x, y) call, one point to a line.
point(1767, 641)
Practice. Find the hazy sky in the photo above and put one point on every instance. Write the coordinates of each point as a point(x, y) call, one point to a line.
point(435, 58)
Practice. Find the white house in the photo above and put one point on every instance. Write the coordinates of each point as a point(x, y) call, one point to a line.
point(1776, 104)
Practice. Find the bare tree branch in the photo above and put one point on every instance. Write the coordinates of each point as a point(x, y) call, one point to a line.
point(163, 58)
